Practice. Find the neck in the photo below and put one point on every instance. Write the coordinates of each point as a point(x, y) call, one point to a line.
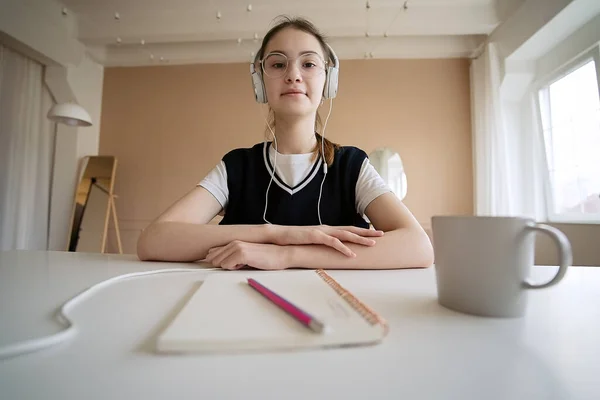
point(295, 135)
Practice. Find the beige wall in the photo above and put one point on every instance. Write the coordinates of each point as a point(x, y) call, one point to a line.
point(169, 125)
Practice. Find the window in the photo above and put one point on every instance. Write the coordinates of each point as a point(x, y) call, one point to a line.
point(569, 107)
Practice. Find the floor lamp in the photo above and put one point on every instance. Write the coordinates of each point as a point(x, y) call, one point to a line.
point(73, 114)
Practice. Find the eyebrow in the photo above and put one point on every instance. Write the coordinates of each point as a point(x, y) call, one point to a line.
point(301, 53)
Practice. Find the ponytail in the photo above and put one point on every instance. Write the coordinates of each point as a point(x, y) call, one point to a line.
point(329, 149)
point(329, 146)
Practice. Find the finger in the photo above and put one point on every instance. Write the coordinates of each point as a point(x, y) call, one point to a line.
point(320, 237)
point(223, 255)
point(211, 255)
point(212, 251)
point(217, 253)
point(235, 247)
point(232, 261)
point(362, 231)
point(338, 245)
point(346, 236)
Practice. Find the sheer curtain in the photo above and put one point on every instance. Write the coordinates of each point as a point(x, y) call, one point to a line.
point(26, 150)
point(507, 159)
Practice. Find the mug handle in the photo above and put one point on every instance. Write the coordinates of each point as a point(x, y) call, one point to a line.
point(564, 249)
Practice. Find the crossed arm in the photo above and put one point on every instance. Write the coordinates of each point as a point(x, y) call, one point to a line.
point(182, 234)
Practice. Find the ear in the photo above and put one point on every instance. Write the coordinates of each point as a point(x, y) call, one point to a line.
point(258, 85)
point(331, 83)
point(333, 70)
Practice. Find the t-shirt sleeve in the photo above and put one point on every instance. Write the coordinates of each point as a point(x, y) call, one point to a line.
point(216, 183)
point(369, 186)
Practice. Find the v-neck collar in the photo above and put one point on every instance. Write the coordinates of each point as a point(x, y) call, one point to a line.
point(295, 189)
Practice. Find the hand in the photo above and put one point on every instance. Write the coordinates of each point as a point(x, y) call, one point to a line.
point(331, 236)
point(238, 254)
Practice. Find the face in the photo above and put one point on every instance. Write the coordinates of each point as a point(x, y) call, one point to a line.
point(296, 90)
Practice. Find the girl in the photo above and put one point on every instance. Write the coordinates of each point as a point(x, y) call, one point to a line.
point(299, 200)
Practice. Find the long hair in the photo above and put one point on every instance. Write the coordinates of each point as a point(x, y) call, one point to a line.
point(303, 25)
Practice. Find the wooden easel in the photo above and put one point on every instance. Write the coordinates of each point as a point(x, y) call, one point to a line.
point(112, 209)
point(98, 173)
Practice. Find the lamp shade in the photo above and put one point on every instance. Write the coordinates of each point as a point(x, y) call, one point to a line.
point(70, 114)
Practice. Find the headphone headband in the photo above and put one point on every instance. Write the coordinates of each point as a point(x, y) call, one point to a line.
point(333, 57)
point(331, 81)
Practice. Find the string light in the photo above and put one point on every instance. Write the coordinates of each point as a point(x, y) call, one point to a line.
point(367, 8)
point(143, 48)
point(118, 19)
point(404, 8)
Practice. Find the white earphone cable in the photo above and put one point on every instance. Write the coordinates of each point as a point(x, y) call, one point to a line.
point(272, 172)
point(324, 160)
point(33, 345)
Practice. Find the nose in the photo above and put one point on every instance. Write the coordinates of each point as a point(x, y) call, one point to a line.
point(293, 73)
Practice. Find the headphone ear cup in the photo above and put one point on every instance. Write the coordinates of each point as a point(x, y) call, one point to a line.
point(259, 88)
point(331, 83)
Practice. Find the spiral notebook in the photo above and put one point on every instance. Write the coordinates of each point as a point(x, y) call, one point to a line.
point(226, 315)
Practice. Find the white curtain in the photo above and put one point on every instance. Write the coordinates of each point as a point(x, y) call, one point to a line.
point(26, 150)
point(507, 158)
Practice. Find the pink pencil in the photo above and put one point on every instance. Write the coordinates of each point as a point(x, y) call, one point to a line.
point(301, 316)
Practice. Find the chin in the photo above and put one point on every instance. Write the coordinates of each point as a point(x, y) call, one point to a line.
point(294, 109)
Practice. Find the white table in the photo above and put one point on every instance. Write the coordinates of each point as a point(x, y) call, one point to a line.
point(430, 353)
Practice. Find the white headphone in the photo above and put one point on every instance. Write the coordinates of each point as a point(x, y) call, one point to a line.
point(329, 90)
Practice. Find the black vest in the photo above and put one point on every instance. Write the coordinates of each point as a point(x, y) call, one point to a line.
point(249, 173)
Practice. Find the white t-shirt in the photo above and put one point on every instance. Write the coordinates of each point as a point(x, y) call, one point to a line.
point(292, 169)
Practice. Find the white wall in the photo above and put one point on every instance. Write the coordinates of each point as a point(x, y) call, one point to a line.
point(530, 17)
point(580, 41)
point(506, 8)
point(533, 38)
point(86, 80)
point(63, 186)
point(38, 29)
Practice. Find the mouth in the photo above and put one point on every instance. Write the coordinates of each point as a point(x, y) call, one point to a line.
point(293, 93)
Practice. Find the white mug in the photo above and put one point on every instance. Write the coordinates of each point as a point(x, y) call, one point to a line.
point(482, 263)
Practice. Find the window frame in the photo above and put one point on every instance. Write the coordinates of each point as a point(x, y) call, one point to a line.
point(591, 54)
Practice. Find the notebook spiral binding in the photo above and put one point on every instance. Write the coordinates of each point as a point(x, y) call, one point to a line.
point(367, 313)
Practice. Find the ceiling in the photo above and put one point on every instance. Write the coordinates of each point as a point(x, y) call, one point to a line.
point(150, 32)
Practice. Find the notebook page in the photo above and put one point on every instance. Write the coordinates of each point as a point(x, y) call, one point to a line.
point(225, 313)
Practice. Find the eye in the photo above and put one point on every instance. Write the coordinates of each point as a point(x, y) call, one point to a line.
point(309, 64)
point(278, 65)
